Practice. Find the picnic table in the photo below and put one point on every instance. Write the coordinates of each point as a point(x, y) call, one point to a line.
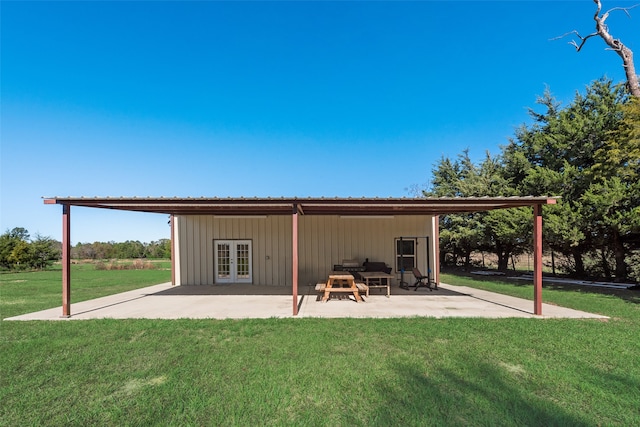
point(340, 282)
point(376, 279)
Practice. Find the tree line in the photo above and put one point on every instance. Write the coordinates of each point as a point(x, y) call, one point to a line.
point(588, 153)
point(122, 250)
point(18, 251)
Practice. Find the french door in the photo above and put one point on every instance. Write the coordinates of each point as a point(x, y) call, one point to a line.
point(233, 261)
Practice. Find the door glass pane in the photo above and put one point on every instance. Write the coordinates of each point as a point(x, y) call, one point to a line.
point(242, 260)
point(224, 260)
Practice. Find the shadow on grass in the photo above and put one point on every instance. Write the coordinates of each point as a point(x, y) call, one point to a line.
point(485, 395)
point(632, 296)
point(624, 294)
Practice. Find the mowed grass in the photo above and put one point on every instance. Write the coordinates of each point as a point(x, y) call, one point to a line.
point(416, 371)
point(39, 290)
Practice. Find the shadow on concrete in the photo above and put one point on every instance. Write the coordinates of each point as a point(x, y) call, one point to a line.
point(247, 289)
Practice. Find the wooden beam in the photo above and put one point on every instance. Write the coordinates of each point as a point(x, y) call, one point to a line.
point(66, 260)
point(537, 259)
point(294, 244)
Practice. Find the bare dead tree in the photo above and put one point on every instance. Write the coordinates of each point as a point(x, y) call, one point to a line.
point(614, 44)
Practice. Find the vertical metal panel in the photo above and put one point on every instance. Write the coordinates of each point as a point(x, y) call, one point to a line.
point(286, 249)
point(210, 252)
point(174, 250)
point(192, 235)
point(202, 244)
point(330, 242)
point(184, 250)
point(268, 252)
point(261, 257)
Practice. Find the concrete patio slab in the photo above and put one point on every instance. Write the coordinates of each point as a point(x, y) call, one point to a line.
point(164, 301)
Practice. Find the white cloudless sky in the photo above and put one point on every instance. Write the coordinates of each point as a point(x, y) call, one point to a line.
point(264, 99)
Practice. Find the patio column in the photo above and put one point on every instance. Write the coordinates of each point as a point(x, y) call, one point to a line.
point(294, 251)
point(172, 220)
point(436, 253)
point(66, 260)
point(537, 259)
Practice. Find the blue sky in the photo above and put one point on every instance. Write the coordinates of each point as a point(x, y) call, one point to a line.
point(268, 98)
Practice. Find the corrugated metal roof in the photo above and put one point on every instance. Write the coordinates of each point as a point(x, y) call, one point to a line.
point(307, 205)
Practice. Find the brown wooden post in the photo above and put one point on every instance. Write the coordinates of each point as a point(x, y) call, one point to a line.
point(173, 250)
point(66, 260)
point(172, 220)
point(294, 243)
point(436, 255)
point(537, 259)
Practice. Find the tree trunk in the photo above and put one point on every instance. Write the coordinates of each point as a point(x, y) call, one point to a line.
point(579, 263)
point(605, 264)
point(467, 261)
point(503, 258)
point(619, 255)
point(618, 47)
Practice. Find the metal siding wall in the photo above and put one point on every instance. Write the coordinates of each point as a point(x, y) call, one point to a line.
point(270, 237)
point(191, 253)
point(176, 242)
point(324, 241)
point(210, 250)
point(202, 274)
point(327, 240)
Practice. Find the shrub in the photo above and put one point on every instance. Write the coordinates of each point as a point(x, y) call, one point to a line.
point(137, 264)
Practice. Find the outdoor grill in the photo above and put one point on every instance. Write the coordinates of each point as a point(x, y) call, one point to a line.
point(350, 265)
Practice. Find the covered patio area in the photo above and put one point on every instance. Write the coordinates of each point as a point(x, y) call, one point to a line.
point(165, 301)
point(290, 238)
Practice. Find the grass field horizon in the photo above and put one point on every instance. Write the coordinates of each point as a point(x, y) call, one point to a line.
point(416, 371)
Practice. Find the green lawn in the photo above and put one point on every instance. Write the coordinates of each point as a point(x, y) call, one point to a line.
point(39, 290)
point(417, 371)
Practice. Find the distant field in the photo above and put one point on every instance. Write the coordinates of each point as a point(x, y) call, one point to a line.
point(370, 372)
point(38, 290)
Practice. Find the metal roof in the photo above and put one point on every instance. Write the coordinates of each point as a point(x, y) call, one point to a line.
point(306, 206)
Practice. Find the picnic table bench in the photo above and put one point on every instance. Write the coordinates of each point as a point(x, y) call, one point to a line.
point(339, 282)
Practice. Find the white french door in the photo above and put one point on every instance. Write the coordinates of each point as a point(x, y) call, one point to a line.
point(233, 261)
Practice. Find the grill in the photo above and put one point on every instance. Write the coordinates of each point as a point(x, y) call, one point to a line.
point(350, 265)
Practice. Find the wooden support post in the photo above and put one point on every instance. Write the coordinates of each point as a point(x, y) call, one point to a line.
point(436, 255)
point(537, 259)
point(66, 260)
point(294, 244)
point(172, 220)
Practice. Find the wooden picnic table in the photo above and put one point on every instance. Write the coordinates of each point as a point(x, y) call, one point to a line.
point(378, 277)
point(340, 282)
